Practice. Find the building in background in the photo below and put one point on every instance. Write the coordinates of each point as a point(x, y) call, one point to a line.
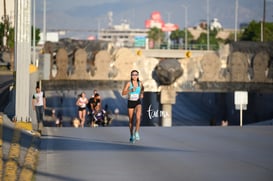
point(215, 24)
point(50, 36)
point(123, 36)
point(157, 22)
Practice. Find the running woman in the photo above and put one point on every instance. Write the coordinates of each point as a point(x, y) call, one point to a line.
point(134, 89)
point(81, 103)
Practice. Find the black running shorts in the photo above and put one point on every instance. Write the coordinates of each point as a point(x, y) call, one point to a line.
point(133, 104)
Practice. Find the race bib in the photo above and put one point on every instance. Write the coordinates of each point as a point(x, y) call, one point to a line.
point(83, 106)
point(133, 97)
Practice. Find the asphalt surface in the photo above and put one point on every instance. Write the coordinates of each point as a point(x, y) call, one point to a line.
point(177, 153)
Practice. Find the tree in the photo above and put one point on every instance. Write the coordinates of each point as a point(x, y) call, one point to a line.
point(37, 35)
point(1, 33)
point(11, 36)
point(202, 40)
point(11, 41)
point(213, 41)
point(177, 35)
point(231, 37)
point(156, 35)
point(253, 32)
point(268, 34)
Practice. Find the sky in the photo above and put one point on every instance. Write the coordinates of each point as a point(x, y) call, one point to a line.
point(93, 14)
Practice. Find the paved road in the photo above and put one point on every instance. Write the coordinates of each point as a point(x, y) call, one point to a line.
point(177, 153)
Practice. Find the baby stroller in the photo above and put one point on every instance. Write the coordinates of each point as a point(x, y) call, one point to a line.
point(100, 118)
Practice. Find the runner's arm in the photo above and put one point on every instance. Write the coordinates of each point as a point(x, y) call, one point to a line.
point(125, 89)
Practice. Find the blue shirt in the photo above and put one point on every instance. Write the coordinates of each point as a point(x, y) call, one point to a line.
point(134, 95)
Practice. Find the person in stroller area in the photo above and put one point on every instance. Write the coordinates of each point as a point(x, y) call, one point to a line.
point(100, 117)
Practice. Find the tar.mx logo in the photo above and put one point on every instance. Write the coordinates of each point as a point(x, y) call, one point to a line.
point(156, 113)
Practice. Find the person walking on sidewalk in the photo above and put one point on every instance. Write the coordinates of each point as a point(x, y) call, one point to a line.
point(134, 89)
point(39, 106)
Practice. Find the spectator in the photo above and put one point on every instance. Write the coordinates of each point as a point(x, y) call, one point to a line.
point(39, 106)
point(91, 100)
point(224, 123)
point(96, 101)
point(99, 116)
point(76, 123)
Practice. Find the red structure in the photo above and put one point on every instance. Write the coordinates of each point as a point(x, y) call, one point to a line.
point(158, 22)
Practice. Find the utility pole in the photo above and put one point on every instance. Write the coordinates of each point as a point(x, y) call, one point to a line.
point(98, 29)
point(208, 27)
point(236, 20)
point(22, 58)
point(44, 22)
point(263, 23)
point(34, 34)
point(169, 32)
point(186, 26)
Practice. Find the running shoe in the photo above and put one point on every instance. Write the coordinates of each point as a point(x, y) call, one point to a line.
point(132, 139)
point(137, 137)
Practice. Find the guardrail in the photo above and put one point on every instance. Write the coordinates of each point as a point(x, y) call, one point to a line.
point(170, 53)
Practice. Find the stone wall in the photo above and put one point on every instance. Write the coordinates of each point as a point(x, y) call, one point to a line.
point(228, 66)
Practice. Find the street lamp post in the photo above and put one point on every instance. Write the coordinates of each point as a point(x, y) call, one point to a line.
point(262, 25)
point(44, 22)
point(98, 29)
point(236, 20)
point(168, 32)
point(186, 24)
point(34, 33)
point(208, 26)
